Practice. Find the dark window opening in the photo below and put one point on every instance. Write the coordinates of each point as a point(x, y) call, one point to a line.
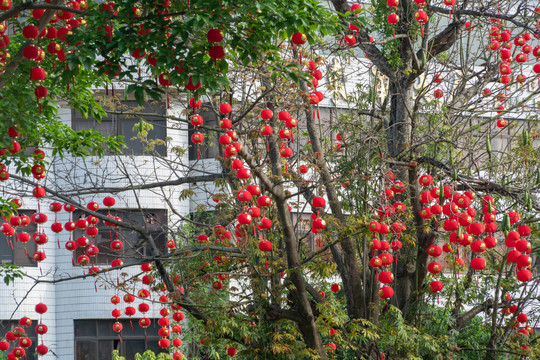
point(155, 221)
point(125, 125)
point(96, 339)
point(12, 251)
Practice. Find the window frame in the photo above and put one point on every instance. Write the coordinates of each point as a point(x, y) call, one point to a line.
point(120, 341)
point(115, 128)
point(16, 246)
point(107, 234)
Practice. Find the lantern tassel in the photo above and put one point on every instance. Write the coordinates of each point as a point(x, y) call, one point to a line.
point(422, 30)
point(197, 148)
point(119, 337)
point(267, 147)
point(131, 324)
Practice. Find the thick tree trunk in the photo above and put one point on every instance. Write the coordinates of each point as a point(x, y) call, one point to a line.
point(302, 305)
point(400, 124)
point(344, 254)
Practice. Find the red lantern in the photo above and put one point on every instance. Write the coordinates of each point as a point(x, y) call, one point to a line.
point(386, 277)
point(197, 138)
point(478, 263)
point(267, 114)
point(386, 292)
point(30, 31)
point(422, 18)
point(216, 52)
point(41, 308)
point(265, 246)
point(299, 38)
point(393, 19)
point(524, 275)
point(214, 36)
point(435, 250)
point(434, 267)
point(501, 123)
point(435, 286)
point(349, 40)
point(225, 108)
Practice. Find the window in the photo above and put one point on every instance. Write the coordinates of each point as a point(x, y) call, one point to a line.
point(12, 251)
point(9, 325)
point(209, 149)
point(96, 339)
point(117, 124)
point(154, 220)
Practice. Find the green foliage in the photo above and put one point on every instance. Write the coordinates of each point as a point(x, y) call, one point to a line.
point(147, 355)
point(10, 272)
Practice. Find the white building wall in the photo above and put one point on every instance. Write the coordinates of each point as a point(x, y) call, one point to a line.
point(87, 298)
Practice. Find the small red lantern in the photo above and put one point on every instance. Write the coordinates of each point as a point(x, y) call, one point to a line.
point(299, 38)
point(214, 36)
point(422, 18)
point(265, 246)
point(41, 308)
point(386, 292)
point(501, 123)
point(393, 19)
point(435, 286)
point(225, 108)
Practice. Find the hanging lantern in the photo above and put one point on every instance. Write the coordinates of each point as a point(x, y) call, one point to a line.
point(386, 292)
point(478, 264)
point(435, 286)
point(214, 36)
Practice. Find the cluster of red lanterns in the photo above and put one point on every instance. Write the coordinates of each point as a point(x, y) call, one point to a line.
point(52, 39)
point(89, 225)
point(18, 341)
point(14, 148)
point(501, 41)
point(504, 48)
point(469, 233)
point(518, 322)
point(167, 328)
point(382, 229)
point(9, 228)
